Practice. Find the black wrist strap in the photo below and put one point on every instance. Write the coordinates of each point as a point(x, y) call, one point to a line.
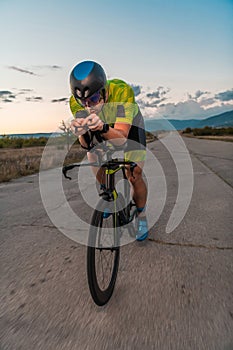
point(88, 138)
point(105, 128)
point(98, 136)
point(87, 148)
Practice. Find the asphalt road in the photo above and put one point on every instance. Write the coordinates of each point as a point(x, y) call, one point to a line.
point(173, 292)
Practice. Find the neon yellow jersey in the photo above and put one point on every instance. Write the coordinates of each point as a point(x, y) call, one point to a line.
point(119, 94)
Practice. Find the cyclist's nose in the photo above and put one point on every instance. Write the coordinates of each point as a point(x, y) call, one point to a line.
point(87, 103)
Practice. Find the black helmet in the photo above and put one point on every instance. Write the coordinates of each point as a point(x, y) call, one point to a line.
point(87, 78)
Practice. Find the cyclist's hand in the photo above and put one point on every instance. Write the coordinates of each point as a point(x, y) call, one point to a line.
point(94, 122)
point(78, 126)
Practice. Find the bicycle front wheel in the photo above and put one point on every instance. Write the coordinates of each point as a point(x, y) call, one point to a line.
point(103, 253)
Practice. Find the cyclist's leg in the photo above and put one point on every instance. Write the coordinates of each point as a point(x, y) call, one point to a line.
point(139, 194)
point(136, 152)
point(138, 185)
point(98, 172)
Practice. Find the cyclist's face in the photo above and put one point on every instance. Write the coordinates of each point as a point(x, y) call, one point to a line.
point(89, 103)
point(95, 108)
point(93, 100)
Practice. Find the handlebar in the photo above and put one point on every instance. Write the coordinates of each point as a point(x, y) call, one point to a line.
point(109, 164)
point(99, 149)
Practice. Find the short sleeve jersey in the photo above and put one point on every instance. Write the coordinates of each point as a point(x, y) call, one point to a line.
point(120, 107)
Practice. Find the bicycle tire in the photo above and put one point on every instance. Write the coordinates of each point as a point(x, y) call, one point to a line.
point(124, 213)
point(101, 294)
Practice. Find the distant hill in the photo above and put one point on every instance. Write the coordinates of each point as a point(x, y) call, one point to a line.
point(220, 120)
point(223, 119)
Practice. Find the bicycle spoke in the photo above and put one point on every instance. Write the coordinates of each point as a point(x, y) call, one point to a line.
point(105, 252)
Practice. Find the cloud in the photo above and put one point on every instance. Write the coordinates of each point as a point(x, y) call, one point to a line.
point(55, 67)
point(34, 99)
point(22, 70)
point(159, 93)
point(5, 93)
point(9, 96)
point(6, 100)
point(136, 89)
point(6, 96)
point(201, 105)
point(145, 104)
point(154, 94)
point(204, 101)
point(32, 69)
point(225, 96)
point(207, 101)
point(189, 109)
point(181, 110)
point(63, 99)
point(48, 66)
point(25, 90)
point(152, 99)
point(198, 94)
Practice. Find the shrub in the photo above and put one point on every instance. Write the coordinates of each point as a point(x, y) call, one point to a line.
point(187, 131)
point(18, 142)
point(207, 130)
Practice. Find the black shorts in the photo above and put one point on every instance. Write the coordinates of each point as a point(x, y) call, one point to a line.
point(136, 150)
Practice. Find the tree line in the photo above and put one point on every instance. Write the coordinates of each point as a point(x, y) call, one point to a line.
point(208, 130)
point(19, 142)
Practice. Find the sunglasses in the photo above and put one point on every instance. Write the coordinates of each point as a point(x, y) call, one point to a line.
point(93, 98)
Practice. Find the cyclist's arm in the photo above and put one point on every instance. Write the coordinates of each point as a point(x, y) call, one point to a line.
point(76, 110)
point(81, 133)
point(120, 132)
point(82, 141)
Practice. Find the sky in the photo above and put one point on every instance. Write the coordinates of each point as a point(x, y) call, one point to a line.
point(177, 55)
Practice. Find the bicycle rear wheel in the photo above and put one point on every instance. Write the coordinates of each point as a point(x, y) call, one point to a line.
point(103, 252)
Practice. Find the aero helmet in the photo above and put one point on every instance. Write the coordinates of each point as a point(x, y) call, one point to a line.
point(87, 78)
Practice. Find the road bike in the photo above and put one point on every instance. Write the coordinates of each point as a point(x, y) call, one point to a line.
point(114, 214)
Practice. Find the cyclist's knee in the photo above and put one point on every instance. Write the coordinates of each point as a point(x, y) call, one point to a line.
point(137, 175)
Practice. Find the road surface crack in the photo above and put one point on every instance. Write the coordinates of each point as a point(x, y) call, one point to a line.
point(210, 156)
point(190, 245)
point(210, 168)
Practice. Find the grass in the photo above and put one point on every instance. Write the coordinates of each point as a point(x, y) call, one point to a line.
point(24, 160)
point(15, 163)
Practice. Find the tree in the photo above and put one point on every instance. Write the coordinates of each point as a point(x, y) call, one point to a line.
point(66, 128)
point(188, 130)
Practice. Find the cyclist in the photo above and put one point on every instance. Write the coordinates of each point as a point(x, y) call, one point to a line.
point(109, 108)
